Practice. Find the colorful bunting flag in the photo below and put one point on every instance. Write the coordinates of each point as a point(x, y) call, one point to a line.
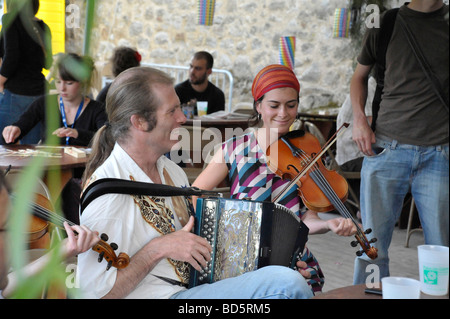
point(206, 11)
point(287, 51)
point(342, 17)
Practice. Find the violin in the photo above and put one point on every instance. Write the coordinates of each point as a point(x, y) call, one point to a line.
point(43, 214)
point(296, 156)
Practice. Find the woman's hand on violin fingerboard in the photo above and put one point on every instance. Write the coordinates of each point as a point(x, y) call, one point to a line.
point(79, 239)
point(342, 226)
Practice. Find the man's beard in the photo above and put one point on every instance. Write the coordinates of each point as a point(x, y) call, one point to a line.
point(199, 81)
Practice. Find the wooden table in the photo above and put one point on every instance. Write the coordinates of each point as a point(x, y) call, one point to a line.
point(357, 292)
point(61, 162)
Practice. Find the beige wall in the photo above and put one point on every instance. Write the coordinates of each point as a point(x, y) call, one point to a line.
point(243, 38)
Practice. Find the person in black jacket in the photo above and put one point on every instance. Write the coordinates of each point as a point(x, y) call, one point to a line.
point(79, 116)
point(25, 50)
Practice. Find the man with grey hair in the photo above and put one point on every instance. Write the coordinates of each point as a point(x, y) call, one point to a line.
point(144, 112)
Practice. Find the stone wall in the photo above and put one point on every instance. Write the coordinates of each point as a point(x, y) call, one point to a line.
point(243, 38)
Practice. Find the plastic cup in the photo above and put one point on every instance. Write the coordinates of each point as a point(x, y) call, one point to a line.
point(202, 107)
point(433, 269)
point(400, 288)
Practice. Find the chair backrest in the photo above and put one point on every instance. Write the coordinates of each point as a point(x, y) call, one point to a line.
point(314, 130)
point(223, 79)
point(243, 108)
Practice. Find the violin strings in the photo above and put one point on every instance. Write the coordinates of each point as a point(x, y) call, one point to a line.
point(323, 184)
point(332, 196)
point(44, 213)
point(48, 215)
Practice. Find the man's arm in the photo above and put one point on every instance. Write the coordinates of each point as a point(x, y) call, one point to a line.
point(73, 245)
point(180, 245)
point(361, 132)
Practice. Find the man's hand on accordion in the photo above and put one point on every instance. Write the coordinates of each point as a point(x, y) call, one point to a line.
point(183, 245)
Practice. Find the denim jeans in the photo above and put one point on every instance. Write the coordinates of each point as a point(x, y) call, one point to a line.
point(12, 106)
point(270, 282)
point(386, 178)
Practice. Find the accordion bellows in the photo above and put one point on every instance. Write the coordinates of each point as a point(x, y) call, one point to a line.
point(246, 235)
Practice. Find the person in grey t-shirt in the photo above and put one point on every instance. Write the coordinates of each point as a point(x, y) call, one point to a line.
point(408, 150)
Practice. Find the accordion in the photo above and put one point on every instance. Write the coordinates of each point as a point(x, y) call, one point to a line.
point(246, 235)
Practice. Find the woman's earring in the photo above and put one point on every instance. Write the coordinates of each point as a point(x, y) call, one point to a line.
point(259, 116)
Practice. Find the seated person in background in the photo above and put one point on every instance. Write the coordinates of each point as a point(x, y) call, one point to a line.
point(79, 239)
point(197, 87)
point(79, 116)
point(243, 159)
point(143, 113)
point(348, 155)
point(123, 58)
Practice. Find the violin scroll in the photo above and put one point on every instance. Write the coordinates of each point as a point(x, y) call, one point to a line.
point(106, 252)
point(361, 239)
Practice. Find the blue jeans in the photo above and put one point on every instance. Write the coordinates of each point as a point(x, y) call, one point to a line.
point(12, 106)
point(270, 282)
point(385, 180)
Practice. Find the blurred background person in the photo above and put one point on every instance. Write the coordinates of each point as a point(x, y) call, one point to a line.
point(25, 50)
point(122, 59)
point(80, 117)
point(197, 87)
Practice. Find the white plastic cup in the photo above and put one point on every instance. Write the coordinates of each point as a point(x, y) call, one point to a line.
point(202, 108)
point(400, 288)
point(433, 269)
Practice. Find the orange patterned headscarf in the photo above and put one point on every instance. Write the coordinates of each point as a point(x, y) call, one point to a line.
point(272, 77)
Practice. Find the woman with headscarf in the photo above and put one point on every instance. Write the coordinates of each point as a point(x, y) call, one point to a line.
point(275, 92)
